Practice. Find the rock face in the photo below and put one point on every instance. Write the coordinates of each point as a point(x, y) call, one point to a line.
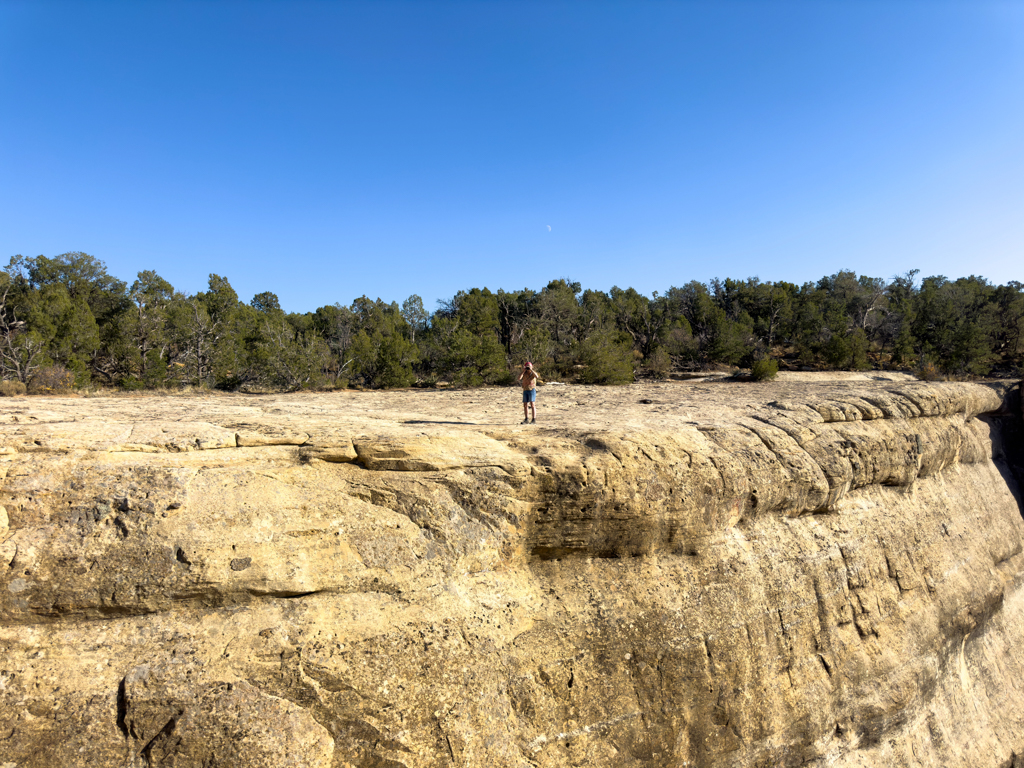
point(804, 573)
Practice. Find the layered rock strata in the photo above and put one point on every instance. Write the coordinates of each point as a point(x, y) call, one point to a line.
point(813, 573)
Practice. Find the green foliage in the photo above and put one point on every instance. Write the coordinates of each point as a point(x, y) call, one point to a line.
point(765, 369)
point(516, 314)
point(337, 325)
point(265, 302)
point(859, 350)
point(220, 301)
point(607, 358)
point(84, 277)
point(289, 358)
point(558, 312)
point(67, 313)
point(715, 337)
point(465, 358)
point(415, 316)
point(771, 306)
point(534, 344)
point(903, 347)
point(659, 363)
point(22, 351)
point(132, 384)
point(1009, 301)
point(192, 336)
point(137, 342)
point(63, 323)
point(463, 344)
point(680, 345)
point(643, 320)
point(206, 335)
point(956, 324)
point(836, 351)
point(381, 352)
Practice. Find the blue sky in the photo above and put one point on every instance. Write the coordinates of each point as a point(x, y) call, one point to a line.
point(328, 150)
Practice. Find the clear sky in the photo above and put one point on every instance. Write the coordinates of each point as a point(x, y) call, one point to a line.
point(326, 150)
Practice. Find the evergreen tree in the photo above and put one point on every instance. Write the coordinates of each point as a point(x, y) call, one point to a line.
point(464, 342)
point(337, 326)
point(382, 353)
point(956, 324)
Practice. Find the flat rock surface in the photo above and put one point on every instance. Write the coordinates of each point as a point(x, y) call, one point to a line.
point(658, 405)
point(824, 570)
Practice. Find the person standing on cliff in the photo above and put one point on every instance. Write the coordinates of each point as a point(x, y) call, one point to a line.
point(529, 379)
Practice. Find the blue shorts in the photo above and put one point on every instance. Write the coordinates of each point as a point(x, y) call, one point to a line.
point(529, 395)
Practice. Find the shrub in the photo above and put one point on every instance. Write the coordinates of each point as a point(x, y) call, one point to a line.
point(659, 363)
point(764, 370)
point(927, 371)
point(608, 359)
point(12, 388)
point(55, 380)
point(837, 351)
point(132, 384)
point(859, 350)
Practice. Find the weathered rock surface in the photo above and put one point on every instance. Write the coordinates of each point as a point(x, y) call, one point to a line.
point(820, 571)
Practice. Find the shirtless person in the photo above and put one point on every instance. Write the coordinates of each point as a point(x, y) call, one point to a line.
point(529, 379)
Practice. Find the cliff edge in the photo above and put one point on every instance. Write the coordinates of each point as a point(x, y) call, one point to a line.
point(814, 572)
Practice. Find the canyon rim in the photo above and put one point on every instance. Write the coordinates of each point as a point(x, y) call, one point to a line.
point(826, 570)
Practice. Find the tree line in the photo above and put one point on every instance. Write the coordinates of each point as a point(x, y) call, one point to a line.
point(65, 316)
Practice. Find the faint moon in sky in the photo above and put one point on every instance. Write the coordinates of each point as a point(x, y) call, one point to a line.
point(549, 227)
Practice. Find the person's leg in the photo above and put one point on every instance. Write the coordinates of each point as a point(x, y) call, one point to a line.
point(526, 406)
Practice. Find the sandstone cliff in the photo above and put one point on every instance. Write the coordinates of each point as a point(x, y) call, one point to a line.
point(820, 573)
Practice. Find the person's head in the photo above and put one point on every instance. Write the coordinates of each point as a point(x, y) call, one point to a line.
point(528, 364)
